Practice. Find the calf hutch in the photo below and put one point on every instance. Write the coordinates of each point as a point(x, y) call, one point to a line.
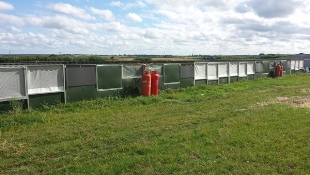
point(48, 84)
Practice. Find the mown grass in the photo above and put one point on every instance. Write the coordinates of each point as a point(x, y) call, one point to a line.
point(237, 128)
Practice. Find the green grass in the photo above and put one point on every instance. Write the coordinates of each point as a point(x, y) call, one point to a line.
point(239, 128)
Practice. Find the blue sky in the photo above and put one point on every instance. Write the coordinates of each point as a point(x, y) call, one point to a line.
point(178, 27)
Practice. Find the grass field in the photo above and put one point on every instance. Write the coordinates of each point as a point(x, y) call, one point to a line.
point(252, 127)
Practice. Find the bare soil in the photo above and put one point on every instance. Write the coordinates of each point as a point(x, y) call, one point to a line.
point(295, 101)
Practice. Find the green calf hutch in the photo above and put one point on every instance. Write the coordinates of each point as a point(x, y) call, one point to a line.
point(81, 83)
point(172, 76)
point(109, 79)
point(296, 66)
point(33, 86)
point(223, 72)
point(45, 85)
point(187, 75)
point(13, 92)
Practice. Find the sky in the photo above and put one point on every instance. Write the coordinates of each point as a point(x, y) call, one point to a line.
point(162, 27)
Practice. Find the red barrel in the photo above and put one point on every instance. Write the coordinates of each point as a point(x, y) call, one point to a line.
point(146, 83)
point(154, 84)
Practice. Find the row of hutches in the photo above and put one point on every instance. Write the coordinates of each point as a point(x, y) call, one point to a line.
point(49, 84)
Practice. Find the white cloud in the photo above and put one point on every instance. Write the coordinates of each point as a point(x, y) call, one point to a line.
point(58, 22)
point(129, 36)
point(163, 26)
point(137, 4)
point(104, 14)
point(10, 19)
point(70, 10)
point(64, 23)
point(116, 3)
point(6, 6)
point(132, 17)
point(203, 4)
point(153, 33)
point(14, 29)
point(74, 26)
point(33, 20)
point(110, 27)
point(274, 8)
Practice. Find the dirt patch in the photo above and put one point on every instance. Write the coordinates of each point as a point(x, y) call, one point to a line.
point(283, 99)
point(305, 105)
point(276, 88)
point(305, 90)
point(295, 101)
point(266, 90)
point(262, 104)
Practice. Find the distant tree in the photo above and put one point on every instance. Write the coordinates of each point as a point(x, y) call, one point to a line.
point(52, 56)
